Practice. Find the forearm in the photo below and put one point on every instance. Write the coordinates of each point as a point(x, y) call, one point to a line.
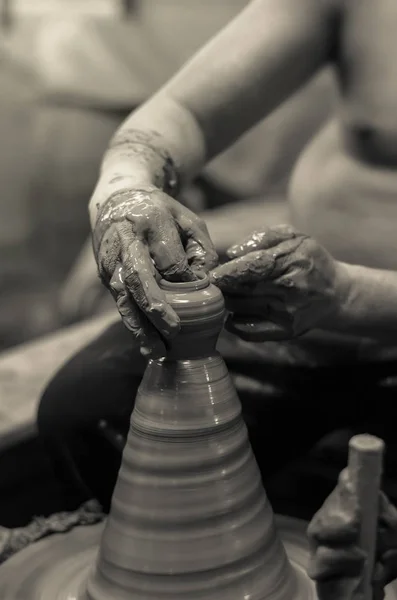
point(369, 305)
point(266, 53)
point(159, 144)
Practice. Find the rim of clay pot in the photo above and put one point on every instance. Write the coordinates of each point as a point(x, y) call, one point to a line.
point(186, 286)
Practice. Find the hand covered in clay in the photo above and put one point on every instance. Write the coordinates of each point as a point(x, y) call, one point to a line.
point(278, 284)
point(139, 236)
point(336, 561)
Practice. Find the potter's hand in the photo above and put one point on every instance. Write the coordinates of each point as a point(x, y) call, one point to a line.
point(278, 285)
point(138, 236)
point(336, 560)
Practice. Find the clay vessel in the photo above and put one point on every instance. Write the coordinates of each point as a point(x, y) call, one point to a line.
point(189, 516)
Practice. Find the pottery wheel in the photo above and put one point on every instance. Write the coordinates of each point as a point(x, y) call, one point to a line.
point(57, 567)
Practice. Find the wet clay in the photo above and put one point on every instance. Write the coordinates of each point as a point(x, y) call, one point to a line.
point(279, 285)
point(136, 231)
point(189, 516)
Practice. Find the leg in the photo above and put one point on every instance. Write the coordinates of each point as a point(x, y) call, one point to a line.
point(100, 382)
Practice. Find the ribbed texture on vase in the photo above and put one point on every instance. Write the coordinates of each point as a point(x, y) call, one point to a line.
point(189, 517)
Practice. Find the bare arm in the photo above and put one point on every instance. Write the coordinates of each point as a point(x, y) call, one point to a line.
point(369, 306)
point(267, 52)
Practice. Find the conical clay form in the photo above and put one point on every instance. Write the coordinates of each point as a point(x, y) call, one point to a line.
point(189, 517)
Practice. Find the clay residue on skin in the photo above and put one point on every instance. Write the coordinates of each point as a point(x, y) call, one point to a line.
point(261, 240)
point(146, 231)
point(262, 258)
point(244, 273)
point(117, 208)
point(147, 147)
point(137, 230)
point(337, 562)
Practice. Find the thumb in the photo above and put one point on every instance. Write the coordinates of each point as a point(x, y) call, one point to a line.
point(134, 320)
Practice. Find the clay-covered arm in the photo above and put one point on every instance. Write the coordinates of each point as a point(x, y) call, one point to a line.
point(268, 51)
point(368, 306)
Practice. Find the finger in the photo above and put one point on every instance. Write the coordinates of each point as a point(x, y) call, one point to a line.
point(199, 258)
point(168, 253)
point(256, 330)
point(200, 250)
point(251, 272)
point(140, 280)
point(379, 581)
point(238, 276)
point(149, 339)
point(262, 240)
point(329, 562)
point(108, 254)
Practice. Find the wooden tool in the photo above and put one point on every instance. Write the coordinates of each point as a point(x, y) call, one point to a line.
point(365, 470)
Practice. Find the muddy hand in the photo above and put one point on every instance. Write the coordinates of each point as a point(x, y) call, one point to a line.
point(336, 561)
point(278, 284)
point(137, 235)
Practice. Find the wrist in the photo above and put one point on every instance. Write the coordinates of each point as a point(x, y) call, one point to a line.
point(138, 151)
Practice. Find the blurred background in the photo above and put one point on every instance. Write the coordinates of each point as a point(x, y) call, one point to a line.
point(70, 71)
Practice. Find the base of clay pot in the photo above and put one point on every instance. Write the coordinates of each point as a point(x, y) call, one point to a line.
point(57, 568)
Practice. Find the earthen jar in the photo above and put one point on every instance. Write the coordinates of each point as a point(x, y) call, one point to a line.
point(189, 517)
